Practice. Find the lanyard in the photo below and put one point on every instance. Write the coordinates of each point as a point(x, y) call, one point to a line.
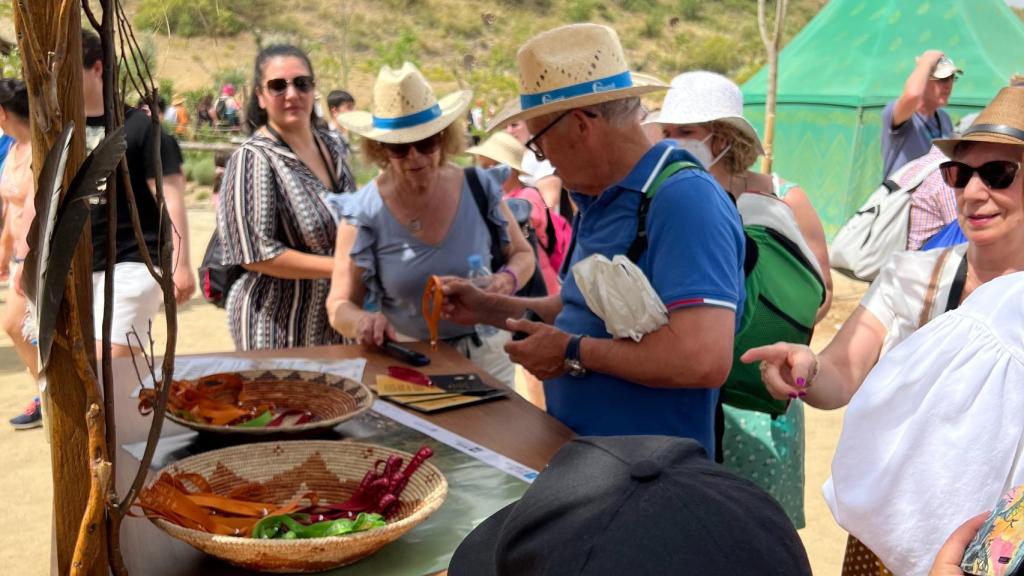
point(336, 187)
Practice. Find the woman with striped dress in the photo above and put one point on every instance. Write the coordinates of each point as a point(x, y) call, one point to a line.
point(273, 218)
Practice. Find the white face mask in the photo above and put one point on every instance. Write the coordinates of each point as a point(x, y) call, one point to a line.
point(701, 150)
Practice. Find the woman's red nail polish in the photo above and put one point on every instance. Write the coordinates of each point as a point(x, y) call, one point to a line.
point(792, 395)
point(801, 382)
point(802, 394)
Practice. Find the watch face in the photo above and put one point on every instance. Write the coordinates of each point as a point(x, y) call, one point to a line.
point(575, 368)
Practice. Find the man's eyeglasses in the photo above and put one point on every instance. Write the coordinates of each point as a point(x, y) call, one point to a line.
point(303, 84)
point(424, 147)
point(997, 174)
point(533, 144)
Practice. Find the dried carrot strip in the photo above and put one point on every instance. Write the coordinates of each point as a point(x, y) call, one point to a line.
point(433, 297)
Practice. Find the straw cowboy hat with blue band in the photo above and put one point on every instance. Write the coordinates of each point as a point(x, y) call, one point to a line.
point(405, 109)
point(572, 67)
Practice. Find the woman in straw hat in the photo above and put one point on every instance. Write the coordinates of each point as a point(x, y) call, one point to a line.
point(703, 112)
point(915, 287)
point(272, 218)
point(417, 218)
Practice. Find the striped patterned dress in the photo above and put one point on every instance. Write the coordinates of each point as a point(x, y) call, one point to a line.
point(271, 201)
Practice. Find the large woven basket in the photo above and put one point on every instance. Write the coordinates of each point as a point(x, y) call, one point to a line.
point(290, 469)
point(332, 399)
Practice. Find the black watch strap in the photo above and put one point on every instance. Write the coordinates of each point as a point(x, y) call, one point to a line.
point(572, 351)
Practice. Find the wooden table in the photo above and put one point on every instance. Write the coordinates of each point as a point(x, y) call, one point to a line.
point(512, 427)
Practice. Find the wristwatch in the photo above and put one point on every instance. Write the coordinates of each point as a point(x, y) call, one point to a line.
point(573, 362)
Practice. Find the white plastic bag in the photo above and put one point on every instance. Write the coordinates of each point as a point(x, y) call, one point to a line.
point(620, 294)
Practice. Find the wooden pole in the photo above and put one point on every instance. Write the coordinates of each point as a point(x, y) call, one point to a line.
point(772, 42)
point(49, 37)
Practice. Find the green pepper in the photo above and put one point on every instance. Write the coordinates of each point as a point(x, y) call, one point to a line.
point(285, 527)
point(258, 422)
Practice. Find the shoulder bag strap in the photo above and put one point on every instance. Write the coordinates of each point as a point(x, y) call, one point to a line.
point(933, 288)
point(636, 249)
point(956, 291)
point(480, 198)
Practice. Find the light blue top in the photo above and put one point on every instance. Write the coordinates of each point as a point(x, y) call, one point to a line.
point(395, 264)
point(912, 139)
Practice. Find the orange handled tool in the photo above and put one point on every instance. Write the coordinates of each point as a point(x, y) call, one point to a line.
point(433, 297)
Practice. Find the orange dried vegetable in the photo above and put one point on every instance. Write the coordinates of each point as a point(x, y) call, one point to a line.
point(433, 297)
point(217, 399)
point(170, 499)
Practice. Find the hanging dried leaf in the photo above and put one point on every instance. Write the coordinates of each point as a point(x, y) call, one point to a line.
point(48, 189)
point(65, 224)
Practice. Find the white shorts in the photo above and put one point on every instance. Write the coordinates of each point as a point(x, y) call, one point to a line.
point(137, 299)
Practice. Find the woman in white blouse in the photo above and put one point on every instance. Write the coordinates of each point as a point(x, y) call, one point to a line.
point(915, 287)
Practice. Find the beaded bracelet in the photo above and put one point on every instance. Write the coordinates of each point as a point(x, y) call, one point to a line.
point(515, 280)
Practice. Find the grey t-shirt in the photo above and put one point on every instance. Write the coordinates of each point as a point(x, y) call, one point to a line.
point(912, 139)
point(396, 264)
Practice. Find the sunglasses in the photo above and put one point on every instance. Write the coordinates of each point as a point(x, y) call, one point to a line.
point(423, 147)
point(997, 174)
point(303, 84)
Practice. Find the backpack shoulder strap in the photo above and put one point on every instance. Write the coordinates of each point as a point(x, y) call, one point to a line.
point(483, 206)
point(636, 249)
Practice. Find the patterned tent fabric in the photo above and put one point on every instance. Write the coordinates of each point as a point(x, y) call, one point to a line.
point(849, 61)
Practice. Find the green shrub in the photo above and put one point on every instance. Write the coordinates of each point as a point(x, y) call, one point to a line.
point(637, 5)
point(580, 10)
point(654, 23)
point(716, 53)
point(405, 47)
point(200, 170)
point(208, 17)
point(689, 9)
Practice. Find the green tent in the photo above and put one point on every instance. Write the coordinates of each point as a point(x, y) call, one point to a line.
point(849, 61)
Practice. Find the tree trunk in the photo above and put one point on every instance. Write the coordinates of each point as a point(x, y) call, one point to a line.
point(49, 39)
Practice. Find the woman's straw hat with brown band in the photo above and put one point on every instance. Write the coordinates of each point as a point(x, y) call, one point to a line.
point(503, 148)
point(1001, 122)
point(571, 67)
point(405, 109)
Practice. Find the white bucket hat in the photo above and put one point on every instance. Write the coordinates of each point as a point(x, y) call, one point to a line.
point(571, 67)
point(405, 109)
point(701, 96)
point(502, 147)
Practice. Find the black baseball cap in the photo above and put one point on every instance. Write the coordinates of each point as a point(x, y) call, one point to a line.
point(635, 505)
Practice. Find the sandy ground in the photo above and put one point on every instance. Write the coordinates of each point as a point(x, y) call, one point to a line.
point(25, 480)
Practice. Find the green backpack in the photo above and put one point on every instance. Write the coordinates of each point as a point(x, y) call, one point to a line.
point(783, 288)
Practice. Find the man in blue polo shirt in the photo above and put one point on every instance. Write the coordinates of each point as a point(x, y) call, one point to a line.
point(582, 105)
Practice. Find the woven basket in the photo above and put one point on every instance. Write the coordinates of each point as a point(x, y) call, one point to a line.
point(331, 398)
point(290, 469)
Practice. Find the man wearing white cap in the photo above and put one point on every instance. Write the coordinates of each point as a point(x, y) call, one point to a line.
point(910, 123)
point(581, 103)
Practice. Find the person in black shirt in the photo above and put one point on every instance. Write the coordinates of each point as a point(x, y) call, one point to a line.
point(137, 296)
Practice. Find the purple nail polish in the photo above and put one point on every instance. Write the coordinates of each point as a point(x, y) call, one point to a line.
point(792, 395)
point(801, 382)
point(802, 394)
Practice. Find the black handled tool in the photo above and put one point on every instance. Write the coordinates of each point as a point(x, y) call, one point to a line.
point(406, 355)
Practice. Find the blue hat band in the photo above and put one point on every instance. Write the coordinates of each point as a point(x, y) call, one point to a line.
point(409, 121)
point(617, 82)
